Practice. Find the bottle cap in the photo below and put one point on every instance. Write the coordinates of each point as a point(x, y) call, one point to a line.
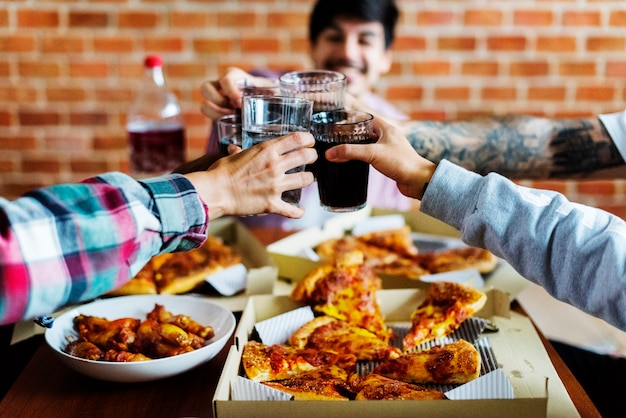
point(152, 61)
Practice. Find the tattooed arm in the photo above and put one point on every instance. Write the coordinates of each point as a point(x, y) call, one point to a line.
point(519, 147)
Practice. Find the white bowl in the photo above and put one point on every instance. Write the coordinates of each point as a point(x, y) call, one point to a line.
point(200, 310)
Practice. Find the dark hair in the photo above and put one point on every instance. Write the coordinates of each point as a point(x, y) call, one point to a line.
point(326, 11)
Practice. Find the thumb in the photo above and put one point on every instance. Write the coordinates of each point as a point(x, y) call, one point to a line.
point(346, 152)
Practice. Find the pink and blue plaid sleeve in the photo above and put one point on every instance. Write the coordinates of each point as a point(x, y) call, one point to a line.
point(68, 243)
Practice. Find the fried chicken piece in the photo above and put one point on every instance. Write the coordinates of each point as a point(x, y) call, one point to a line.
point(84, 349)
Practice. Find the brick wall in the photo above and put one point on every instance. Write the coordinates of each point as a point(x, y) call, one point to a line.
point(69, 69)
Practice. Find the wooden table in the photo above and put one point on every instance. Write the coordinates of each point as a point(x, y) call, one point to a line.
point(47, 388)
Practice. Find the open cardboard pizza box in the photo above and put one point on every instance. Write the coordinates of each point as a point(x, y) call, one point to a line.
point(294, 255)
point(520, 355)
point(260, 270)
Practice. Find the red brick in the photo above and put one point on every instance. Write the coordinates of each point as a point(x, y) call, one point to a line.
point(237, 20)
point(404, 93)
point(17, 142)
point(457, 43)
point(89, 69)
point(409, 43)
point(138, 20)
point(17, 94)
point(163, 44)
point(4, 18)
point(40, 165)
point(498, 93)
point(63, 44)
point(213, 46)
point(506, 43)
point(617, 18)
point(432, 18)
point(89, 118)
point(260, 45)
point(597, 187)
point(581, 18)
point(452, 93)
point(577, 69)
point(480, 68)
point(37, 18)
point(533, 17)
point(88, 19)
point(483, 18)
point(17, 43)
point(34, 69)
point(544, 93)
point(181, 19)
point(288, 20)
point(65, 94)
point(605, 44)
point(529, 69)
point(556, 43)
point(596, 94)
point(431, 68)
point(113, 44)
point(35, 118)
point(555, 185)
point(615, 69)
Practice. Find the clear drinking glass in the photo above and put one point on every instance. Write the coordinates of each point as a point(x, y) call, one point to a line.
point(326, 88)
point(268, 117)
point(342, 186)
point(229, 132)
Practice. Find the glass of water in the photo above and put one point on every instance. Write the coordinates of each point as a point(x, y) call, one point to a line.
point(268, 117)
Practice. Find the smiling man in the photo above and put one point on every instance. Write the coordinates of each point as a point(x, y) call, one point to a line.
point(353, 37)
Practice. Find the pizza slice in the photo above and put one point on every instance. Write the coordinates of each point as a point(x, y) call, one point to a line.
point(397, 240)
point(332, 335)
point(446, 306)
point(458, 259)
point(263, 363)
point(328, 384)
point(376, 387)
point(344, 289)
point(454, 363)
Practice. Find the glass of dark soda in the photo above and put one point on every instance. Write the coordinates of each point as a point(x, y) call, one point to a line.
point(229, 132)
point(342, 186)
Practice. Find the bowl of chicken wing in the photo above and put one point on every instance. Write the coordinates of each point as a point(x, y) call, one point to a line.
point(140, 338)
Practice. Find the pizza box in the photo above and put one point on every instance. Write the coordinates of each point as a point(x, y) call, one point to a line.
point(294, 255)
point(519, 352)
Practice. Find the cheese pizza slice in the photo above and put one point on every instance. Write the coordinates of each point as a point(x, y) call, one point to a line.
point(397, 240)
point(344, 289)
point(264, 363)
point(454, 363)
point(333, 335)
point(328, 384)
point(458, 259)
point(376, 387)
point(446, 306)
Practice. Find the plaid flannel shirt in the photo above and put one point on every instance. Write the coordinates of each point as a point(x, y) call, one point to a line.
point(69, 243)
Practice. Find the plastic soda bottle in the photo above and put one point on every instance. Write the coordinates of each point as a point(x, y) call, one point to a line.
point(156, 132)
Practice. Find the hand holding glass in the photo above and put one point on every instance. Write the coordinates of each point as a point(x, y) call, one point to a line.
point(268, 117)
point(342, 186)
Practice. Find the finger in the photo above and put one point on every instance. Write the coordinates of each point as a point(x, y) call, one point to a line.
point(212, 92)
point(346, 152)
point(214, 112)
point(293, 141)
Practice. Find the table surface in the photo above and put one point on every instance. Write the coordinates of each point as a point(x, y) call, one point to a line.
point(46, 387)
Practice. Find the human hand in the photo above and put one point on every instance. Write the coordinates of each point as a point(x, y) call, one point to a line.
point(393, 156)
point(223, 96)
point(252, 181)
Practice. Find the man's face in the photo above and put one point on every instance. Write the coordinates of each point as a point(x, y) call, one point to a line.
point(356, 49)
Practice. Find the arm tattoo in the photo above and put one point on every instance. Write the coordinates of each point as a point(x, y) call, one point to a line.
point(517, 146)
